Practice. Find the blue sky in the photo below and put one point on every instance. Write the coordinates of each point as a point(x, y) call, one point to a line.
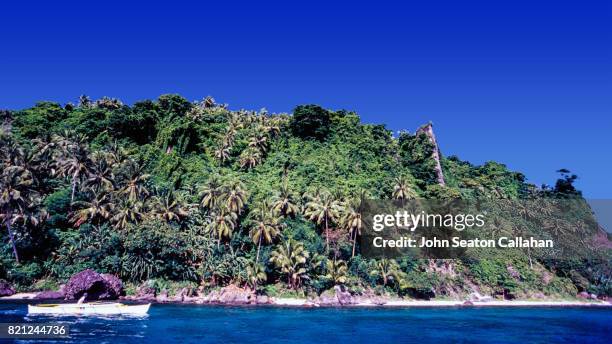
point(526, 83)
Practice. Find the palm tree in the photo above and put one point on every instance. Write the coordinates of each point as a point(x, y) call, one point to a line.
point(250, 158)
point(387, 270)
point(15, 188)
point(222, 154)
point(256, 273)
point(127, 212)
point(135, 180)
point(337, 271)
point(284, 202)
point(266, 227)
point(290, 257)
point(223, 224)
point(235, 197)
point(99, 208)
point(75, 163)
point(211, 193)
point(402, 190)
point(260, 142)
point(169, 207)
point(352, 222)
point(101, 177)
point(323, 210)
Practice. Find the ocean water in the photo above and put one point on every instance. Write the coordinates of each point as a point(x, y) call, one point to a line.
point(220, 324)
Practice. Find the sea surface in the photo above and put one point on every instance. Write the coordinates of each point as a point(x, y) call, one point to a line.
point(221, 324)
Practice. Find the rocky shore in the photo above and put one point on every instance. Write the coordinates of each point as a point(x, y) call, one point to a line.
point(97, 286)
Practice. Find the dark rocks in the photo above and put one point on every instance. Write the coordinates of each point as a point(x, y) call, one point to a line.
point(468, 303)
point(338, 296)
point(6, 289)
point(113, 284)
point(262, 299)
point(97, 286)
point(50, 295)
point(235, 295)
point(146, 292)
point(162, 297)
point(343, 296)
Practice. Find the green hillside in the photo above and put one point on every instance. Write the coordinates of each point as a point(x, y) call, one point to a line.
point(196, 194)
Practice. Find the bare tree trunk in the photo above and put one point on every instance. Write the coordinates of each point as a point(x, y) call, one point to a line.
point(73, 189)
point(258, 248)
point(354, 242)
point(326, 235)
point(11, 237)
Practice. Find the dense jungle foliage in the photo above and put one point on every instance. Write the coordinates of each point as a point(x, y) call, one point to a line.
point(193, 193)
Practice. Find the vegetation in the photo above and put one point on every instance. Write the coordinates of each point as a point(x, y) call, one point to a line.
point(193, 193)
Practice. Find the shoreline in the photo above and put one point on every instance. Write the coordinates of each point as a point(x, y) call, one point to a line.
point(305, 303)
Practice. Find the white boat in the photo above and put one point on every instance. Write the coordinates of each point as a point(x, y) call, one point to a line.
point(94, 308)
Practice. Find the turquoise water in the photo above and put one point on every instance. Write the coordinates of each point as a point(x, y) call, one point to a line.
point(217, 324)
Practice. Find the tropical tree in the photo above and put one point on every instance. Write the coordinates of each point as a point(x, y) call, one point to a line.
point(235, 197)
point(222, 154)
point(259, 141)
point(323, 210)
point(290, 257)
point(75, 162)
point(98, 209)
point(386, 270)
point(169, 207)
point(127, 212)
point(284, 202)
point(266, 227)
point(135, 182)
point(15, 188)
point(250, 158)
point(101, 177)
point(211, 193)
point(352, 222)
point(336, 271)
point(223, 224)
point(256, 273)
point(402, 190)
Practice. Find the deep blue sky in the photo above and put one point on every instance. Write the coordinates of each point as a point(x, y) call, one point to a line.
point(526, 83)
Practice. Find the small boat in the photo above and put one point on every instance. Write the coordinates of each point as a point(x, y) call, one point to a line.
point(94, 308)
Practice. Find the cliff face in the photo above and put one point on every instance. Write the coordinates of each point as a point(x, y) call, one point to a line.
point(428, 130)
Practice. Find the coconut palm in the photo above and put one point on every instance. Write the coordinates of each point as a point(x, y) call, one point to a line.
point(169, 207)
point(15, 189)
point(135, 182)
point(387, 270)
point(290, 257)
point(352, 222)
point(402, 190)
point(323, 210)
point(101, 177)
point(75, 162)
point(250, 158)
point(336, 271)
point(211, 193)
point(235, 197)
point(266, 227)
point(284, 202)
point(99, 208)
point(223, 224)
point(256, 273)
point(222, 154)
point(127, 212)
point(259, 141)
